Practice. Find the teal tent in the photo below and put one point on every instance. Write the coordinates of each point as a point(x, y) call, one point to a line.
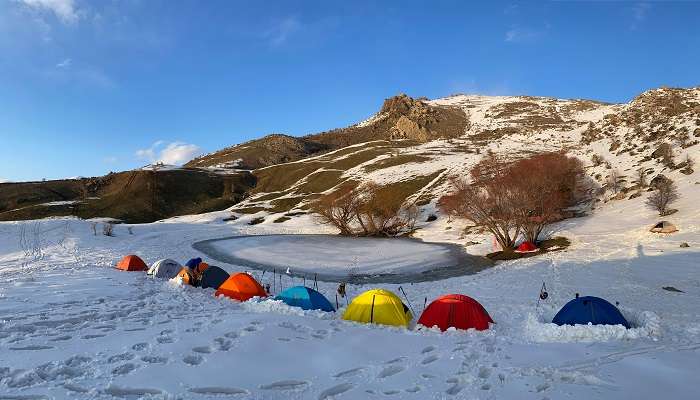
point(306, 298)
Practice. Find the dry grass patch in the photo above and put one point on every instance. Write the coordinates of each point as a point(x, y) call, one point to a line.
point(394, 161)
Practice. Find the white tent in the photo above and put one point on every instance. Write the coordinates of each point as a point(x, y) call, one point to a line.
point(664, 227)
point(165, 269)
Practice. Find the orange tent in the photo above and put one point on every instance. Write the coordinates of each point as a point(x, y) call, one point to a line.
point(186, 275)
point(241, 287)
point(132, 263)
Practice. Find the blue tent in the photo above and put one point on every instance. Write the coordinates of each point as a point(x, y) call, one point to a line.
point(306, 298)
point(193, 263)
point(213, 277)
point(589, 309)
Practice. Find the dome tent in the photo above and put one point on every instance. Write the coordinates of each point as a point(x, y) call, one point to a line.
point(455, 311)
point(132, 263)
point(213, 277)
point(378, 306)
point(241, 287)
point(590, 310)
point(164, 269)
point(527, 247)
point(664, 227)
point(305, 298)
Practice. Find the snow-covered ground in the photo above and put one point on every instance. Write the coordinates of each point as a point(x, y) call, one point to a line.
point(72, 327)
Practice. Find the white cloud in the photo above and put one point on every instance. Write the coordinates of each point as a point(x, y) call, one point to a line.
point(640, 11)
point(521, 35)
point(65, 63)
point(639, 14)
point(176, 153)
point(110, 160)
point(64, 10)
point(4, 180)
point(282, 30)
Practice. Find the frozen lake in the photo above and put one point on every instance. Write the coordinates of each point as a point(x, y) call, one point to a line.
point(341, 258)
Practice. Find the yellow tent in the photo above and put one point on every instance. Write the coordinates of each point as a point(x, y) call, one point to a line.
point(380, 307)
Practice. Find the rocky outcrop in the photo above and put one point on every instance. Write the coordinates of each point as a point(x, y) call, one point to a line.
point(400, 118)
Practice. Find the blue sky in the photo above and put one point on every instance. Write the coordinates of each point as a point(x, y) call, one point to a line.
point(88, 87)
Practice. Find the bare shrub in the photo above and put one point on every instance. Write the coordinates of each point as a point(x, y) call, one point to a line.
point(510, 198)
point(689, 162)
point(641, 178)
point(665, 194)
point(366, 210)
point(665, 152)
point(597, 160)
point(614, 182)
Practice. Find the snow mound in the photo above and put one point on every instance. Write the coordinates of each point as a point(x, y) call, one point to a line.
point(645, 324)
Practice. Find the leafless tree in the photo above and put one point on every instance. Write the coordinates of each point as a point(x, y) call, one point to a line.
point(689, 161)
point(665, 151)
point(642, 178)
point(614, 182)
point(366, 210)
point(665, 194)
point(519, 197)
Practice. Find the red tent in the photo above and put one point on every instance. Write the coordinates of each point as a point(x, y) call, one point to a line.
point(455, 310)
point(132, 263)
point(241, 287)
point(527, 247)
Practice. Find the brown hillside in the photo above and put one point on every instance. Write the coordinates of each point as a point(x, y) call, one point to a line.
point(401, 117)
point(132, 196)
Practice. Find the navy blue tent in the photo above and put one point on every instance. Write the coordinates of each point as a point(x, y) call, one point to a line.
point(213, 277)
point(306, 298)
point(193, 263)
point(589, 309)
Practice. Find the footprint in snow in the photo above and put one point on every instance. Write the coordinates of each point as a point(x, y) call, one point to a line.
point(154, 359)
point(414, 389)
point(31, 348)
point(429, 359)
point(75, 388)
point(231, 335)
point(251, 328)
point(164, 339)
point(124, 369)
point(284, 339)
point(454, 389)
point(390, 371)
point(118, 391)
point(192, 359)
point(391, 392)
point(218, 390)
point(139, 346)
point(428, 349)
point(335, 390)
point(222, 344)
point(349, 372)
point(202, 349)
point(286, 385)
point(120, 357)
point(93, 336)
point(61, 338)
point(396, 360)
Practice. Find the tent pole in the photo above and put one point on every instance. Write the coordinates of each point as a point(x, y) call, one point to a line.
point(409, 301)
point(371, 311)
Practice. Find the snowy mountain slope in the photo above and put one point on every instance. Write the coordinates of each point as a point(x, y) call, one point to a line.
point(624, 137)
point(101, 333)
